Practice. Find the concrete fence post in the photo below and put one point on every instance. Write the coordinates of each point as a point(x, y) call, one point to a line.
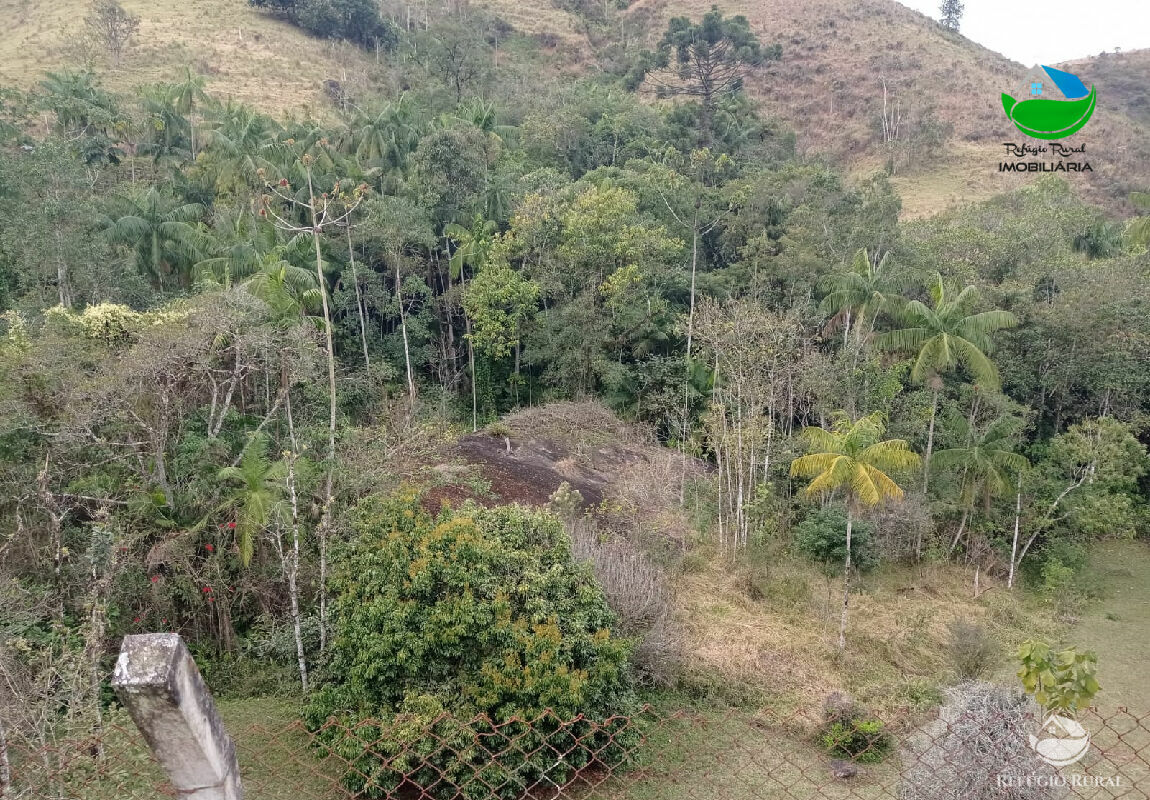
point(157, 681)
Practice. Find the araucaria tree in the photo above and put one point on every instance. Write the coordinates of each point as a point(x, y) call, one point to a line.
point(707, 60)
point(854, 458)
point(950, 14)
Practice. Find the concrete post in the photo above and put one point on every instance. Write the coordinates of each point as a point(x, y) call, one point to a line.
point(157, 681)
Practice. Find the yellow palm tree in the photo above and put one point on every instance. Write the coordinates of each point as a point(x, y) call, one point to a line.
point(855, 458)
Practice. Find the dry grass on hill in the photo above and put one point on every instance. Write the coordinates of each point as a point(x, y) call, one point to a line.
point(781, 646)
point(246, 55)
point(827, 87)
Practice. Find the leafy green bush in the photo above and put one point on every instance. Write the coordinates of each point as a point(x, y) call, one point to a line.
point(476, 612)
point(1061, 681)
point(859, 739)
point(822, 537)
point(849, 732)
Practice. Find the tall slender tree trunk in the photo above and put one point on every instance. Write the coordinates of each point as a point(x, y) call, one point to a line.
point(846, 584)
point(160, 471)
point(470, 361)
point(358, 299)
point(94, 647)
point(961, 529)
point(929, 442)
point(708, 134)
point(62, 287)
point(325, 517)
point(403, 327)
point(1014, 544)
point(293, 569)
point(694, 266)
point(516, 378)
point(690, 339)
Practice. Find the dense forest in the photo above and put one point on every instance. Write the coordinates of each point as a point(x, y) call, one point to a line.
point(234, 348)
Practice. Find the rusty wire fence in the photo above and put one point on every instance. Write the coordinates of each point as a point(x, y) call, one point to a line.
point(653, 754)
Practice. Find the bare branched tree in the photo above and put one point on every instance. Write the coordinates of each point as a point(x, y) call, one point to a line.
point(333, 211)
point(112, 26)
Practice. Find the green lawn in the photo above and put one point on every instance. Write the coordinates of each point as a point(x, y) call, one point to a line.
point(1117, 628)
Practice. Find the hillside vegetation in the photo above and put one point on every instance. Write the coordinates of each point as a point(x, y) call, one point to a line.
point(828, 86)
point(542, 376)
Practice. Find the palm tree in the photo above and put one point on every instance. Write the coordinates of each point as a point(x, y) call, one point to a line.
point(161, 232)
point(86, 115)
point(255, 494)
point(943, 336)
point(243, 148)
point(289, 291)
point(985, 464)
point(855, 458)
point(80, 105)
point(236, 247)
point(862, 292)
point(167, 130)
point(247, 250)
point(185, 95)
point(383, 141)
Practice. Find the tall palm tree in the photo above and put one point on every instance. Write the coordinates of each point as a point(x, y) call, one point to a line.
point(80, 105)
point(382, 141)
point(255, 494)
point(161, 232)
point(167, 131)
point(860, 294)
point(241, 143)
point(985, 464)
point(186, 94)
point(290, 291)
point(855, 458)
point(86, 115)
point(942, 337)
point(236, 246)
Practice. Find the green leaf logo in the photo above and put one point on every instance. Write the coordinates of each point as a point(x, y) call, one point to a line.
point(1047, 118)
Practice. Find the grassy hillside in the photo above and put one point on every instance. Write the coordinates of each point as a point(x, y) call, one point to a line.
point(828, 85)
point(245, 55)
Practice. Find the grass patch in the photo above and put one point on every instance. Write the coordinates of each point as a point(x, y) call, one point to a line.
point(1117, 627)
point(244, 54)
point(770, 628)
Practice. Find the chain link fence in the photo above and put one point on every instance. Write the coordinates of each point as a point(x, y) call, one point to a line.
point(978, 751)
